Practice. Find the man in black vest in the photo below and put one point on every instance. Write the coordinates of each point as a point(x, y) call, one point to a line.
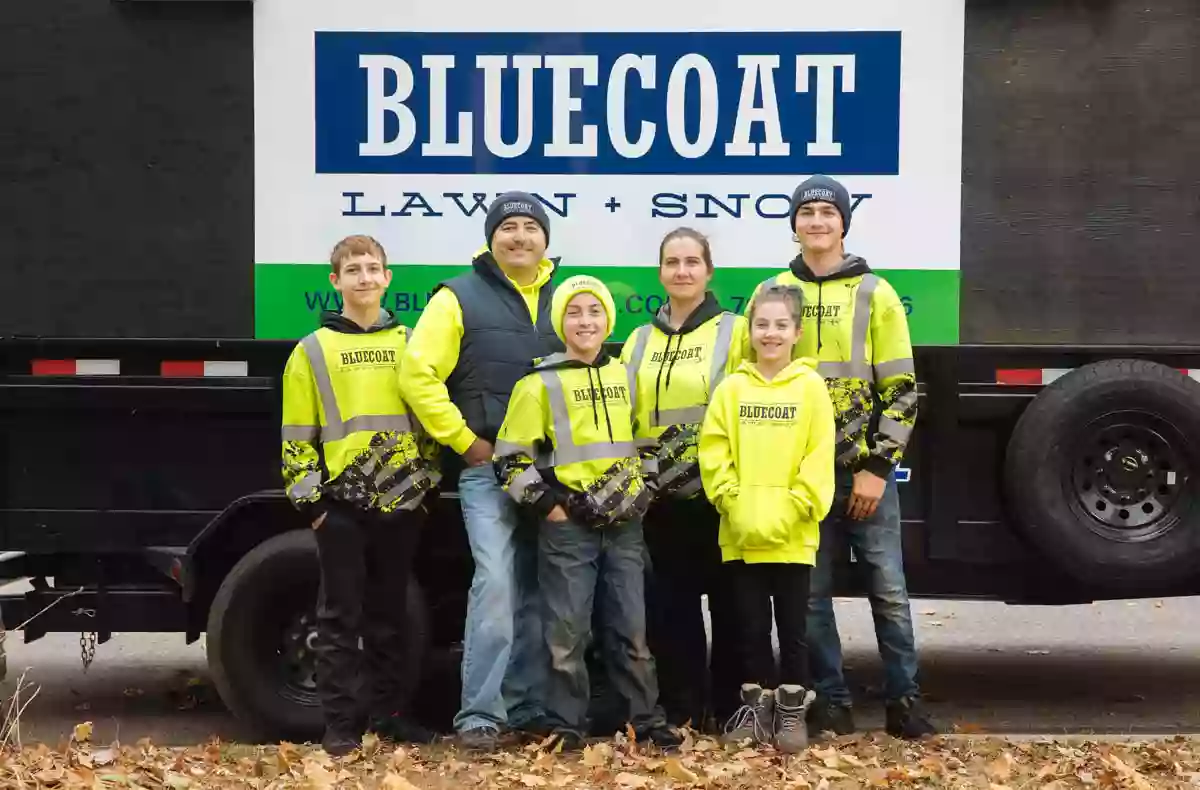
point(479, 334)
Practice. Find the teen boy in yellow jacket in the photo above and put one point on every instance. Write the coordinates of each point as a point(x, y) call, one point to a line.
point(856, 328)
point(766, 459)
point(566, 451)
point(358, 466)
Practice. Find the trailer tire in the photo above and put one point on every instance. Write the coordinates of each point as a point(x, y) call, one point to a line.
point(1103, 479)
point(252, 625)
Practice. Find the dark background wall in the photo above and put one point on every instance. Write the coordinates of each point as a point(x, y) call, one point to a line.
point(1081, 172)
point(126, 170)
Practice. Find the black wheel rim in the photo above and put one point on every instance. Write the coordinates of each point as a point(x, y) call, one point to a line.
point(1129, 476)
point(297, 659)
point(283, 644)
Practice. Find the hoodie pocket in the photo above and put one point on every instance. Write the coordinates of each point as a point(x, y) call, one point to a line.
point(764, 517)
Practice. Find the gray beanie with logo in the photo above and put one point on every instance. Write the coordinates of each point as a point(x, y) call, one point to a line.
point(515, 204)
point(821, 188)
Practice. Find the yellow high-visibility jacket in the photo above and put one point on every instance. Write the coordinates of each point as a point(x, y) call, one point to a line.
point(567, 439)
point(766, 460)
point(433, 355)
point(674, 374)
point(341, 390)
point(855, 327)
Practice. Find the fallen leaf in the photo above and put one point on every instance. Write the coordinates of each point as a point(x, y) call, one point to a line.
point(625, 779)
point(530, 780)
point(676, 770)
point(1000, 769)
point(597, 755)
point(83, 732)
point(394, 781)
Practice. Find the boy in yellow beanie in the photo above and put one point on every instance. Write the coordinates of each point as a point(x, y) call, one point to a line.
point(566, 451)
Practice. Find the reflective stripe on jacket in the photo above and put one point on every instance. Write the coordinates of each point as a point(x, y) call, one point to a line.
point(567, 439)
point(672, 376)
point(855, 326)
point(341, 391)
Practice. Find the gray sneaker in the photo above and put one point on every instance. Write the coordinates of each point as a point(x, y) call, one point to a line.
point(791, 707)
point(479, 739)
point(752, 720)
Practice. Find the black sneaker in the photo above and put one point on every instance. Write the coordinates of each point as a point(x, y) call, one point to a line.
point(825, 716)
point(479, 739)
point(399, 729)
point(906, 718)
point(536, 729)
point(571, 741)
point(338, 742)
point(663, 736)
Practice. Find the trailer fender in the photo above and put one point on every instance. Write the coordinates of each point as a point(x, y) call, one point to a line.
point(1103, 475)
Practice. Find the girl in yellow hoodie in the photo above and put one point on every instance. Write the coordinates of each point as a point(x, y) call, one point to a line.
point(767, 464)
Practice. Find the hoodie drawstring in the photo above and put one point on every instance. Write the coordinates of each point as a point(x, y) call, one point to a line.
point(592, 385)
point(820, 312)
point(658, 380)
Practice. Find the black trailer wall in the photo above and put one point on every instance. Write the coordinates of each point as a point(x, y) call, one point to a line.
point(1081, 172)
point(126, 170)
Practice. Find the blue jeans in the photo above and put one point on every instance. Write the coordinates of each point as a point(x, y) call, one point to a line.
point(577, 564)
point(876, 543)
point(504, 660)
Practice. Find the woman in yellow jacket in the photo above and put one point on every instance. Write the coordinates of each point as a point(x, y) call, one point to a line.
point(678, 359)
point(766, 461)
point(566, 453)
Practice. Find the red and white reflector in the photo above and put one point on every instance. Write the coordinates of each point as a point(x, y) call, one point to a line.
point(76, 367)
point(198, 368)
point(1043, 376)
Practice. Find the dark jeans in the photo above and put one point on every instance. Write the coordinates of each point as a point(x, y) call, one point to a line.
point(754, 585)
point(366, 559)
point(876, 544)
point(575, 564)
point(685, 565)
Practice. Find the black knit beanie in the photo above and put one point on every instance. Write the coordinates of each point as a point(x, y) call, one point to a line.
point(515, 204)
point(821, 188)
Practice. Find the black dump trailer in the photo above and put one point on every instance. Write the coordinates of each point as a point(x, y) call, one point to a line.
point(1055, 460)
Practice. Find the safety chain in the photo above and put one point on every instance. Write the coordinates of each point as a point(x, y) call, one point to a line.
point(87, 640)
point(87, 648)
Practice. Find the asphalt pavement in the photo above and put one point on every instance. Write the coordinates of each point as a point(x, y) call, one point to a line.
point(1108, 668)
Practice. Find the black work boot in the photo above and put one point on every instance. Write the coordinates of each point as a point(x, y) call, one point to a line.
point(906, 718)
point(339, 741)
point(400, 729)
point(825, 716)
point(662, 735)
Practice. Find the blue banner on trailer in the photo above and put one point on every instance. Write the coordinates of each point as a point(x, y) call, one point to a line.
point(717, 103)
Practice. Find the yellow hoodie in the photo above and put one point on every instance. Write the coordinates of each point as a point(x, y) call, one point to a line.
point(766, 461)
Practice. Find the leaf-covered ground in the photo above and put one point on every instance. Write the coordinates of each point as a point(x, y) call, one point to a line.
point(862, 762)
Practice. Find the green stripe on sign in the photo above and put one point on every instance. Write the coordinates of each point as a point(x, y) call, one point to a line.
point(290, 296)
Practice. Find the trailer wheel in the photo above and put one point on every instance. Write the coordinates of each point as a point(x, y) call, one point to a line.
point(1103, 471)
point(260, 633)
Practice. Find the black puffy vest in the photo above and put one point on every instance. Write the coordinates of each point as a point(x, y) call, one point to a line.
point(499, 343)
